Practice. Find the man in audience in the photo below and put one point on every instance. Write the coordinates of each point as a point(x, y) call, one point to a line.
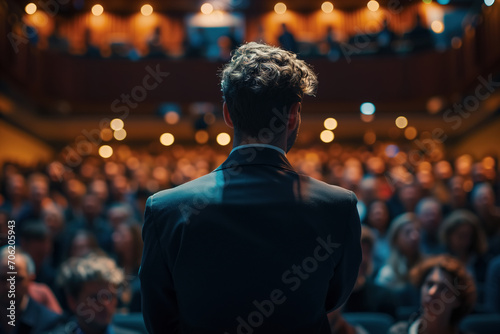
point(20, 313)
point(252, 244)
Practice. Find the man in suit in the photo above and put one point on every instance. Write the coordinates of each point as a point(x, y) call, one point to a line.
point(252, 247)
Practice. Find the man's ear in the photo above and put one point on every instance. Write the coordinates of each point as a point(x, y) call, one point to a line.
point(294, 115)
point(227, 117)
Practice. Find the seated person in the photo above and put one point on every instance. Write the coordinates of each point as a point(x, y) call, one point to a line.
point(448, 294)
point(21, 314)
point(91, 285)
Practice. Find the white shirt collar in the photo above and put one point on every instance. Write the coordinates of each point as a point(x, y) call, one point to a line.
point(259, 145)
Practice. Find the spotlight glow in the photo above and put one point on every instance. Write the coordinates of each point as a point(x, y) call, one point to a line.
point(167, 139)
point(97, 10)
point(330, 123)
point(326, 136)
point(120, 134)
point(30, 8)
point(116, 124)
point(437, 26)
point(280, 8)
point(401, 122)
point(147, 10)
point(207, 8)
point(223, 139)
point(367, 108)
point(489, 2)
point(327, 7)
point(373, 5)
point(105, 151)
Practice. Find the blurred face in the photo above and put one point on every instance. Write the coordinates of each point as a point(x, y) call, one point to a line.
point(95, 306)
point(21, 281)
point(91, 206)
point(484, 199)
point(409, 196)
point(408, 239)
point(430, 216)
point(379, 215)
point(38, 191)
point(16, 186)
point(460, 240)
point(457, 189)
point(122, 239)
point(437, 297)
point(81, 246)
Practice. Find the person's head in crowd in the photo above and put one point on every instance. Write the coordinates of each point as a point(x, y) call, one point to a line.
point(53, 218)
point(368, 190)
point(118, 214)
point(23, 267)
point(409, 195)
point(478, 173)
point(99, 187)
point(448, 293)
point(366, 267)
point(462, 235)
point(38, 189)
point(430, 215)
point(16, 188)
point(127, 242)
point(36, 241)
point(378, 217)
point(75, 190)
point(483, 199)
point(404, 239)
point(91, 207)
point(83, 243)
point(4, 227)
point(91, 286)
point(263, 87)
point(425, 180)
point(458, 194)
point(119, 188)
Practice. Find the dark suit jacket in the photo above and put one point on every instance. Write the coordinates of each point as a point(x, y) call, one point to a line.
point(252, 247)
point(35, 319)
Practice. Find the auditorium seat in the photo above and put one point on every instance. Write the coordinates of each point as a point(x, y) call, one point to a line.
point(132, 321)
point(374, 323)
point(481, 324)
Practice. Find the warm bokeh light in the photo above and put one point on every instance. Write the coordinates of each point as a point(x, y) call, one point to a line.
point(105, 151)
point(120, 134)
point(427, 1)
point(488, 162)
point(223, 139)
point(116, 124)
point(209, 118)
point(437, 26)
point(327, 7)
point(97, 10)
point(489, 2)
point(207, 8)
point(367, 118)
point(373, 5)
point(147, 10)
point(330, 123)
point(106, 134)
point(410, 133)
point(167, 139)
point(367, 108)
point(30, 8)
point(280, 8)
point(201, 136)
point(326, 136)
point(435, 104)
point(370, 138)
point(401, 122)
point(172, 117)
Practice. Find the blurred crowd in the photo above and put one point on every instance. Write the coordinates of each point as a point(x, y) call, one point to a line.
point(409, 212)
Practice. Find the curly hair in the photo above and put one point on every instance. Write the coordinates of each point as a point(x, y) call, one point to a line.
point(260, 78)
point(460, 279)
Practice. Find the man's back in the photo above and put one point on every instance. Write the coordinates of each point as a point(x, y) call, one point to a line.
point(250, 247)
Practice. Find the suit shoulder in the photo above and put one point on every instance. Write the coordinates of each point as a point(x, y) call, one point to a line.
point(329, 190)
point(185, 190)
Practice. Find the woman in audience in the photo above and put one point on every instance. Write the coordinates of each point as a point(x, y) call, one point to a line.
point(404, 239)
point(378, 219)
point(447, 292)
point(463, 238)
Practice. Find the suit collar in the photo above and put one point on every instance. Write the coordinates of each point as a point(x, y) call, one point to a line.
point(254, 155)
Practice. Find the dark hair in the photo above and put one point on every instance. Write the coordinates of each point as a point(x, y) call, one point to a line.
point(459, 218)
point(260, 78)
point(460, 278)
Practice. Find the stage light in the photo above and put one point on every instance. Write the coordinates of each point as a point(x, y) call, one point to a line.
point(330, 123)
point(437, 26)
point(367, 108)
point(97, 10)
point(105, 151)
point(120, 134)
point(326, 136)
point(167, 139)
point(207, 8)
point(489, 2)
point(373, 5)
point(147, 10)
point(443, 2)
point(201, 136)
point(30, 8)
point(401, 122)
point(223, 139)
point(116, 124)
point(280, 8)
point(327, 7)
